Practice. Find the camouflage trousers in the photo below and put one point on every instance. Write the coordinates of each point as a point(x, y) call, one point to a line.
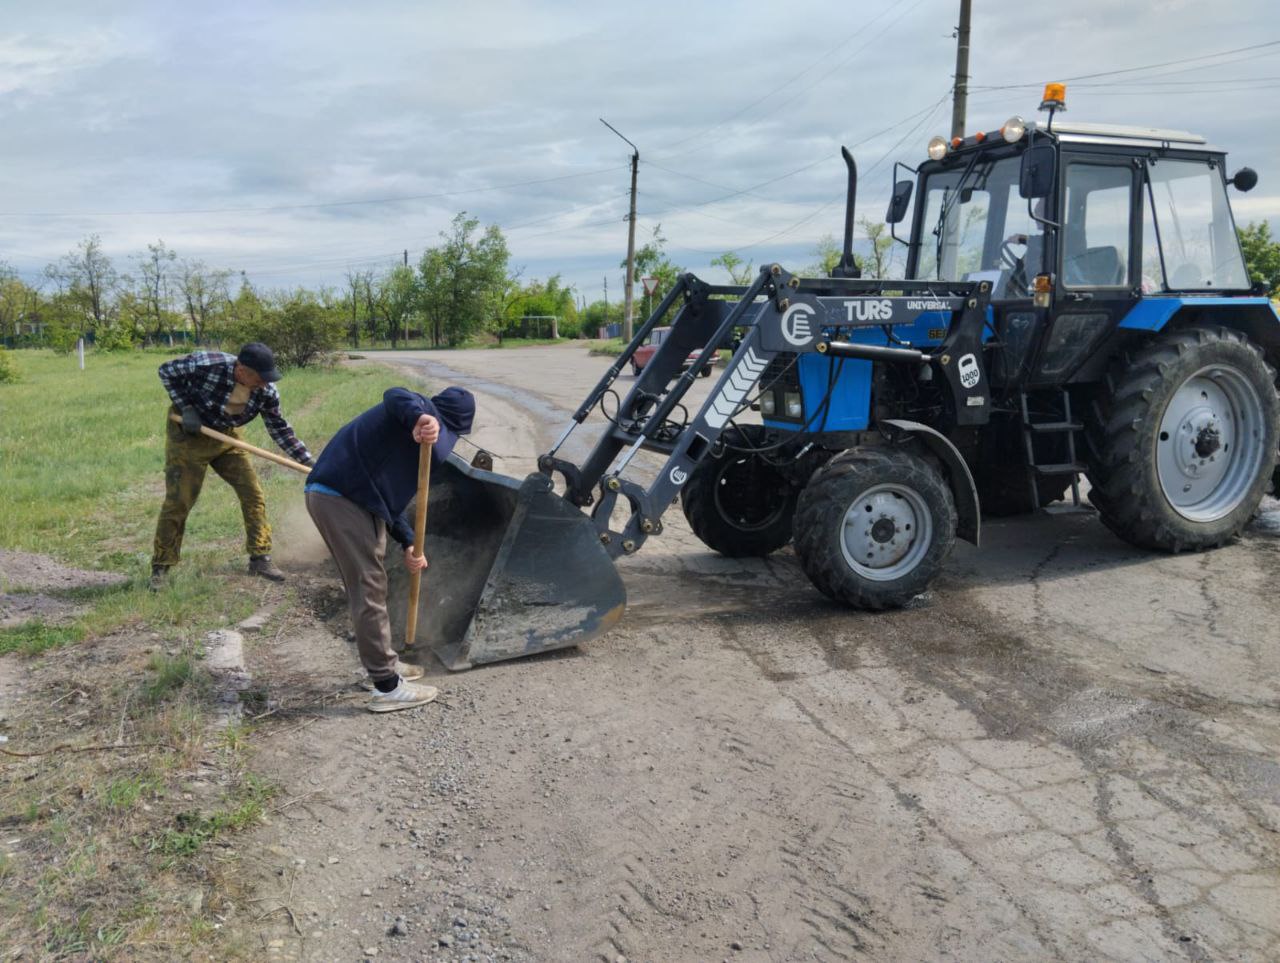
point(186, 460)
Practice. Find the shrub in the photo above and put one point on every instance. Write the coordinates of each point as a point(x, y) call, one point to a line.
point(8, 370)
point(117, 337)
point(298, 328)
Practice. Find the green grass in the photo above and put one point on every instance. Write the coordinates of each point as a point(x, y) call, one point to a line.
point(611, 347)
point(124, 792)
point(83, 456)
point(84, 451)
point(32, 638)
point(81, 479)
point(173, 674)
point(193, 830)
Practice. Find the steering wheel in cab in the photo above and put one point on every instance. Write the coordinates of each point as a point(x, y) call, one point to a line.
point(1016, 264)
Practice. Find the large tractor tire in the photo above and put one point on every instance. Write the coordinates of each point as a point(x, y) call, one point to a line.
point(1186, 440)
point(736, 502)
point(874, 527)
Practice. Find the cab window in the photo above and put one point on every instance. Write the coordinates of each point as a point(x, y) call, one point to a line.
point(1095, 237)
point(1189, 218)
point(976, 227)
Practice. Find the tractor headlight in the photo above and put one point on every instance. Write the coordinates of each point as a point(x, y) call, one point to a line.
point(1013, 130)
point(794, 406)
point(768, 405)
point(938, 148)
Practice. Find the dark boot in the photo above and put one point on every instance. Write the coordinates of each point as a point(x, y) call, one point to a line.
point(159, 578)
point(263, 566)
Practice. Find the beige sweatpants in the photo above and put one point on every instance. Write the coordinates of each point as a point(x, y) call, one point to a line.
point(357, 541)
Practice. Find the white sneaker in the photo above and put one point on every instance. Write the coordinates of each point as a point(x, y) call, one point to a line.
point(407, 695)
point(403, 669)
point(409, 672)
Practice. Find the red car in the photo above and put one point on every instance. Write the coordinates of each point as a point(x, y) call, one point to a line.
point(650, 348)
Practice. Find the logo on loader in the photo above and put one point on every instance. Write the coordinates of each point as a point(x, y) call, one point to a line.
point(678, 476)
point(969, 373)
point(795, 325)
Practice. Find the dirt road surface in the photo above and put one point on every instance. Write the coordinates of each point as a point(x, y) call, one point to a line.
point(1067, 750)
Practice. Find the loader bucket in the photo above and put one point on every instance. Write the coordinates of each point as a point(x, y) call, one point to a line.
point(513, 569)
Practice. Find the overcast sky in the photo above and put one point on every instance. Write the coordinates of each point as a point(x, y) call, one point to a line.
point(295, 140)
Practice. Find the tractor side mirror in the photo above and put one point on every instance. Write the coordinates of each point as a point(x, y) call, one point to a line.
point(1245, 179)
point(898, 203)
point(1038, 169)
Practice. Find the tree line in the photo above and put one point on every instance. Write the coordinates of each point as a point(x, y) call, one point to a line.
point(461, 289)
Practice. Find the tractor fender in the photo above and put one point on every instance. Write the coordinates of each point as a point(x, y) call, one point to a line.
point(1255, 317)
point(965, 492)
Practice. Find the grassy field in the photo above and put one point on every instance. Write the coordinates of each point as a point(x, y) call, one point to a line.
point(120, 854)
point(83, 456)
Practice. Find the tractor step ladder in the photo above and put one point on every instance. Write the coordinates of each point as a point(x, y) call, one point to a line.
point(1066, 427)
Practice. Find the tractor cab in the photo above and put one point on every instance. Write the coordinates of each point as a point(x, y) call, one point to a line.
point(1074, 226)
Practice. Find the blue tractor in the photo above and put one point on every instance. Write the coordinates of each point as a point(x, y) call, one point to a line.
point(1075, 304)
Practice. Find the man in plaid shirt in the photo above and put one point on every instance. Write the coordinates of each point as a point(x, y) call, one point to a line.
point(225, 392)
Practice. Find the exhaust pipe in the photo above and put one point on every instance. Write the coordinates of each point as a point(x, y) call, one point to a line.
point(847, 267)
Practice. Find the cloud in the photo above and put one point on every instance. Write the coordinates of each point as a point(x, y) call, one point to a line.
point(140, 109)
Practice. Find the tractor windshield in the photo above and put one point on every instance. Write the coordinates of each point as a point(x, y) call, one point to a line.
point(976, 227)
point(1189, 240)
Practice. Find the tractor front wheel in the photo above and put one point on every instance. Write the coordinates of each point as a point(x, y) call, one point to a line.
point(1186, 441)
point(736, 502)
point(874, 527)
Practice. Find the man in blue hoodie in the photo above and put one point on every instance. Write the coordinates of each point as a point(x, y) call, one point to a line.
point(360, 486)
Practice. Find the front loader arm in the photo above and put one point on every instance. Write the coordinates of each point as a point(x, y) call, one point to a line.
point(780, 314)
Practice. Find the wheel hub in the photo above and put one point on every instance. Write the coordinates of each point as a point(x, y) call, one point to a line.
point(883, 530)
point(886, 532)
point(1208, 440)
point(1208, 446)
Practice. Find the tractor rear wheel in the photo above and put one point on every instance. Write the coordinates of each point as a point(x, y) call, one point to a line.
point(736, 502)
point(1186, 441)
point(874, 527)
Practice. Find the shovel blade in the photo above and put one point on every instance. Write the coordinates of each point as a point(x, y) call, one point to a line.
point(513, 570)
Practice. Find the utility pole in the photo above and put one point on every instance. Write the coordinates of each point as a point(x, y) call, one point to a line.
point(406, 257)
point(627, 296)
point(961, 89)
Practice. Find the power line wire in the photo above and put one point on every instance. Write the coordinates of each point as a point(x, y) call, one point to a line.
point(1130, 70)
point(925, 116)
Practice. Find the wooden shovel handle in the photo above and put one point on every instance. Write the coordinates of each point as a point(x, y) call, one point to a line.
point(419, 536)
point(251, 449)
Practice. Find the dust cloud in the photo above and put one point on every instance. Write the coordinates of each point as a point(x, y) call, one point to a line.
point(297, 542)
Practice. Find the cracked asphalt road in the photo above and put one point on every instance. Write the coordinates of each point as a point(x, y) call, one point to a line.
point(1067, 750)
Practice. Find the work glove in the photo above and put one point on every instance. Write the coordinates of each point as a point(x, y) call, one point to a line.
point(191, 423)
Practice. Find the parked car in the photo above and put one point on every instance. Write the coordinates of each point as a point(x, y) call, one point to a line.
point(650, 348)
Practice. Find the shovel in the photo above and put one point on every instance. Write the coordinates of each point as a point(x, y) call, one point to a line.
point(419, 535)
point(245, 446)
